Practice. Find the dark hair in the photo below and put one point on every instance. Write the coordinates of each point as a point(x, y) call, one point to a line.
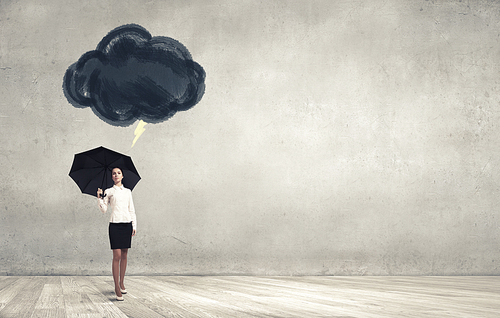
point(117, 168)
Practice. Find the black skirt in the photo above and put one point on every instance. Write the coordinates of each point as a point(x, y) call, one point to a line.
point(120, 235)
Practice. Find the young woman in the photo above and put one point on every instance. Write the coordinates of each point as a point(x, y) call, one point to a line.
point(122, 226)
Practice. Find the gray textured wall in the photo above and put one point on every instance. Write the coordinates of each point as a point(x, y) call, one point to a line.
point(334, 137)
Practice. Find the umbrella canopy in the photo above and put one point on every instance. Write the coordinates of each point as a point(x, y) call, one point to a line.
point(92, 169)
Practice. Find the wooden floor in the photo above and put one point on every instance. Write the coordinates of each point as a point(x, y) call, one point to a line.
point(248, 296)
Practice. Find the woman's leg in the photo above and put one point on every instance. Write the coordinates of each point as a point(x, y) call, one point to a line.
point(117, 255)
point(123, 266)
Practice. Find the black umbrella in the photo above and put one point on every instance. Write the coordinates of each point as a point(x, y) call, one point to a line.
point(92, 169)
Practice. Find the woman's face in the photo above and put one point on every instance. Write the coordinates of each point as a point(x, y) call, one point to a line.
point(117, 175)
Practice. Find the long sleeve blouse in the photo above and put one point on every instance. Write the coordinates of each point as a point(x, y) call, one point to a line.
point(122, 205)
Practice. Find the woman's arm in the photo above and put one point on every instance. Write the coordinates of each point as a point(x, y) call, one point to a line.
point(131, 210)
point(102, 202)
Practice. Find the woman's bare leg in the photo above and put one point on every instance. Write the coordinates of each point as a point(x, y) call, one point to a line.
point(123, 266)
point(117, 255)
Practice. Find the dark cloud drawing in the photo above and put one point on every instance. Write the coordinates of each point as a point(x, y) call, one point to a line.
point(132, 75)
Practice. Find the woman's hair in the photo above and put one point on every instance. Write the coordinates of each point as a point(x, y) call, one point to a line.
point(117, 168)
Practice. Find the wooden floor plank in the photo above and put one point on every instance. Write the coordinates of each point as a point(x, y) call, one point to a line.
point(6, 281)
point(185, 294)
point(50, 304)
point(10, 289)
point(102, 303)
point(131, 307)
point(241, 296)
point(26, 296)
point(156, 298)
point(293, 300)
point(77, 302)
point(414, 295)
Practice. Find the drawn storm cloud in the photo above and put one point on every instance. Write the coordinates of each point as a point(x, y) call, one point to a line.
point(132, 75)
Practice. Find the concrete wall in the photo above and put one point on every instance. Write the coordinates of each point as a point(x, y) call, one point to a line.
point(334, 137)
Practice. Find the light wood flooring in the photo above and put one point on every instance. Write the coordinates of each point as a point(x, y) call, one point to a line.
point(249, 296)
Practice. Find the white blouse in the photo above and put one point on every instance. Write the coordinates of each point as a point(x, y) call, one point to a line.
point(122, 205)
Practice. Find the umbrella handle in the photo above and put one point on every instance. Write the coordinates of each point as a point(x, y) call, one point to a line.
point(103, 195)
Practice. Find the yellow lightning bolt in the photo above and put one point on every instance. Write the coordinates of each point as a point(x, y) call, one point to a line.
point(138, 131)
